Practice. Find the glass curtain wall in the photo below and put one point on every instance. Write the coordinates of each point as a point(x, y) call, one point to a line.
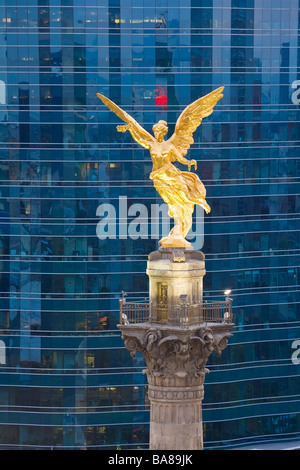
point(250, 161)
point(66, 380)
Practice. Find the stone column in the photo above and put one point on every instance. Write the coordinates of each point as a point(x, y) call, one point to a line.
point(176, 341)
point(175, 360)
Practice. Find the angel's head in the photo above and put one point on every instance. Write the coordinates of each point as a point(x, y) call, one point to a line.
point(160, 130)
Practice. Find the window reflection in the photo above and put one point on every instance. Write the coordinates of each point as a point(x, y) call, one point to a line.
point(60, 352)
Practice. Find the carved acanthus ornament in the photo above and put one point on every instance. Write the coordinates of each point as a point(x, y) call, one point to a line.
point(175, 359)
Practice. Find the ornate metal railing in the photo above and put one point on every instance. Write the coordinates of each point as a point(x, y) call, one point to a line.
point(134, 312)
point(183, 315)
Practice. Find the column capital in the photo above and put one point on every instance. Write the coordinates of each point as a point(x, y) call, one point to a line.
point(175, 357)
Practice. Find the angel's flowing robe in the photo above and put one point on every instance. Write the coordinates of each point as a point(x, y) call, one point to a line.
point(180, 190)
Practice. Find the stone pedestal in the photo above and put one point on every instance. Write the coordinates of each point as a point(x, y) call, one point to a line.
point(176, 340)
point(173, 273)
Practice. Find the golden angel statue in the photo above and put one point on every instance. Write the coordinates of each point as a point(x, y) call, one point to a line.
point(181, 190)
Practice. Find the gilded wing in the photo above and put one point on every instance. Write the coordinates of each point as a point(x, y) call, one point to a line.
point(126, 117)
point(191, 118)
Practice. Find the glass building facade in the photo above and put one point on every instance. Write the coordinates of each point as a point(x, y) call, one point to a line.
point(66, 380)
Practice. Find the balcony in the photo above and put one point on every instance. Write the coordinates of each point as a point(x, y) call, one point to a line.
point(183, 315)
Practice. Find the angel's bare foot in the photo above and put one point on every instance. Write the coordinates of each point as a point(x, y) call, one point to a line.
point(175, 239)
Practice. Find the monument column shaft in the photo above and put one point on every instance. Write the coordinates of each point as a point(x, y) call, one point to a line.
point(176, 418)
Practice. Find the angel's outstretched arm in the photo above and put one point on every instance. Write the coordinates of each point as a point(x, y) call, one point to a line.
point(139, 134)
point(136, 136)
